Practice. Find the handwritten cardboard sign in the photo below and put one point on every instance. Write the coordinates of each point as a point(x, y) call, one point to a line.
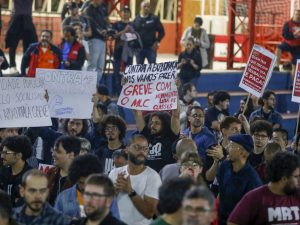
point(258, 71)
point(150, 87)
point(70, 92)
point(22, 103)
point(296, 87)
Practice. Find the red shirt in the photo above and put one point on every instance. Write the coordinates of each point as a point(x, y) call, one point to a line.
point(261, 207)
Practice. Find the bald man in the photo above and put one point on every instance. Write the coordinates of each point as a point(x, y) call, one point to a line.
point(172, 170)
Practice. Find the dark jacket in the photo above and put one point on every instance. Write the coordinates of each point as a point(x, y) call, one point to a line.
point(187, 72)
point(108, 220)
point(147, 27)
point(76, 56)
point(30, 58)
point(97, 16)
point(53, 175)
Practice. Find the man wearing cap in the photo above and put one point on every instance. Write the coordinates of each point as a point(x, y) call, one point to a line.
point(235, 176)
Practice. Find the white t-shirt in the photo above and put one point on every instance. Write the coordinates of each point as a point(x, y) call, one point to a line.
point(145, 183)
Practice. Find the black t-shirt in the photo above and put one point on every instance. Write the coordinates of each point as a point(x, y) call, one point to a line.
point(10, 184)
point(256, 159)
point(265, 115)
point(105, 156)
point(160, 149)
point(213, 114)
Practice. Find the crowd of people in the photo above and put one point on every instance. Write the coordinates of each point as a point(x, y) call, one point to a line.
point(194, 165)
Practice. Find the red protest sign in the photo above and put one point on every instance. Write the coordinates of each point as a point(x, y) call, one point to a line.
point(258, 71)
point(45, 167)
point(296, 87)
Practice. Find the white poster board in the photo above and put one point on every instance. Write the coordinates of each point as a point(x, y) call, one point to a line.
point(150, 87)
point(70, 92)
point(23, 103)
point(258, 71)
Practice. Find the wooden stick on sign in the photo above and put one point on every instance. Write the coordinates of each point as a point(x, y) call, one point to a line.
point(297, 127)
point(246, 104)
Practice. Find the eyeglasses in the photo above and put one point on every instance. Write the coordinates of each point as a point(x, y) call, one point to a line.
point(197, 115)
point(138, 147)
point(190, 164)
point(7, 153)
point(111, 128)
point(260, 136)
point(189, 208)
point(93, 195)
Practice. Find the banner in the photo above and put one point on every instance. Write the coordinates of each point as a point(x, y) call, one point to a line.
point(44, 167)
point(258, 71)
point(150, 87)
point(23, 103)
point(70, 92)
point(296, 86)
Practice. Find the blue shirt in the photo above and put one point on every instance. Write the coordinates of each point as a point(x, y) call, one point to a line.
point(233, 186)
point(274, 117)
point(66, 203)
point(204, 139)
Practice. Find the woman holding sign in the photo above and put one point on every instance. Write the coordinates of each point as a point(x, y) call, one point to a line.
point(190, 62)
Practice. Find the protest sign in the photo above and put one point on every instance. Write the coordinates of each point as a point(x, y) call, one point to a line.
point(45, 167)
point(150, 87)
point(258, 71)
point(22, 103)
point(296, 87)
point(70, 92)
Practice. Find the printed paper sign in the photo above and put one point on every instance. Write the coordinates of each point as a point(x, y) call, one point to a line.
point(45, 167)
point(258, 71)
point(70, 92)
point(296, 87)
point(150, 87)
point(23, 103)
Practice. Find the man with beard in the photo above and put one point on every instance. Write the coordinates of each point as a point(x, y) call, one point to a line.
point(201, 135)
point(97, 199)
point(42, 54)
point(137, 185)
point(72, 127)
point(198, 207)
point(65, 150)
point(277, 202)
point(36, 210)
point(15, 150)
point(261, 132)
point(235, 176)
point(114, 129)
point(267, 111)
point(70, 201)
point(161, 131)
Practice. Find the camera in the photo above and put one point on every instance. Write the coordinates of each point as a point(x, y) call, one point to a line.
point(111, 32)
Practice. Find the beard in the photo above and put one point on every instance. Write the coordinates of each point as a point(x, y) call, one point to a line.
point(35, 206)
point(134, 159)
point(96, 214)
point(290, 190)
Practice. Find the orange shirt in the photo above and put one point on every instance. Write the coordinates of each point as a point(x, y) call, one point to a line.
point(46, 59)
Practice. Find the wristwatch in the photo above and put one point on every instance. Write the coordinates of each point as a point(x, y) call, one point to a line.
point(132, 194)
